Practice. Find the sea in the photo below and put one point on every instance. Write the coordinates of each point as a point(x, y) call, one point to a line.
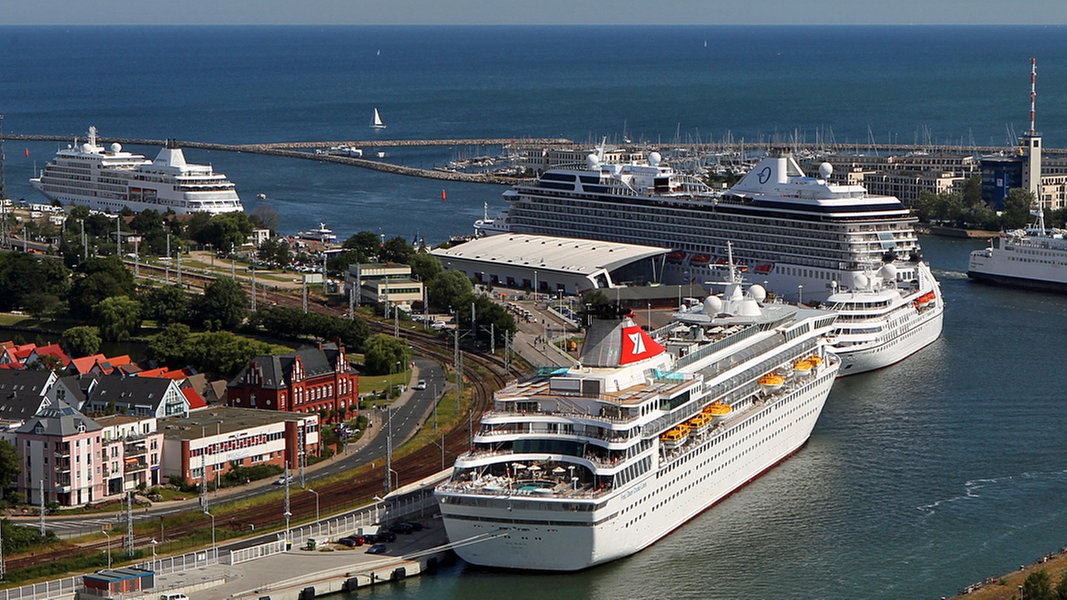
point(919, 479)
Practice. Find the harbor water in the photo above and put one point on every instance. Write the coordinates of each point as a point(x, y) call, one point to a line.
point(919, 479)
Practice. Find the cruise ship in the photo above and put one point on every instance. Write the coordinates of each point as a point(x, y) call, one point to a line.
point(1034, 258)
point(804, 238)
point(113, 179)
point(580, 466)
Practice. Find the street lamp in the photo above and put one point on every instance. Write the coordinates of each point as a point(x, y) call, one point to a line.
point(108, 547)
point(287, 515)
point(214, 550)
point(153, 542)
point(800, 294)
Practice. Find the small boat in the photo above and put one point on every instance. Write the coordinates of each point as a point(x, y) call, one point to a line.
point(376, 122)
point(772, 382)
point(717, 410)
point(764, 268)
point(699, 259)
point(815, 360)
point(675, 257)
point(381, 154)
point(699, 423)
point(674, 438)
point(803, 367)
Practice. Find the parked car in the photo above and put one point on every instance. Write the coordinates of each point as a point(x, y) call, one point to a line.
point(370, 538)
point(415, 525)
point(402, 528)
point(283, 480)
point(352, 540)
point(386, 536)
point(421, 385)
point(376, 549)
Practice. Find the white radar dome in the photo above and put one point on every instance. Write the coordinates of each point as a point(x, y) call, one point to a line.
point(654, 158)
point(592, 160)
point(860, 281)
point(116, 148)
point(757, 293)
point(825, 170)
point(712, 306)
point(86, 147)
point(888, 272)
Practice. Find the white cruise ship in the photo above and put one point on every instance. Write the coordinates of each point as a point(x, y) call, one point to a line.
point(589, 464)
point(802, 237)
point(113, 179)
point(1034, 258)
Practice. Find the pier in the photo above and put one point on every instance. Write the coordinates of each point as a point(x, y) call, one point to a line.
point(304, 150)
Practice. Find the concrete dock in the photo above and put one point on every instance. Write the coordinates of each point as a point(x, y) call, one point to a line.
point(300, 574)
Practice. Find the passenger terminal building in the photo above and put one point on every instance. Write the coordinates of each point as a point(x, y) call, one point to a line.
point(553, 264)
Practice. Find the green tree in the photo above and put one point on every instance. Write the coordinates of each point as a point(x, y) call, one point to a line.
point(396, 250)
point(492, 319)
point(10, 467)
point(98, 278)
point(166, 304)
point(118, 317)
point(227, 231)
point(265, 217)
point(381, 354)
point(223, 353)
point(83, 340)
point(1038, 586)
point(425, 266)
point(173, 346)
point(1017, 206)
point(972, 191)
point(276, 252)
point(366, 243)
point(448, 288)
point(339, 263)
point(24, 277)
point(43, 305)
point(224, 303)
point(1061, 588)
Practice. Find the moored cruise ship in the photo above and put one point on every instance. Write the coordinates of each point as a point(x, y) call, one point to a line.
point(589, 464)
point(112, 179)
point(803, 237)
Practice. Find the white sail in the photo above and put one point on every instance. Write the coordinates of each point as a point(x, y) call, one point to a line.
point(377, 122)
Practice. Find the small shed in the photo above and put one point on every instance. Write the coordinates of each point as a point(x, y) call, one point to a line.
point(107, 583)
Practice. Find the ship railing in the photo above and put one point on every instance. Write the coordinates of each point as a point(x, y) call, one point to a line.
point(496, 412)
point(615, 437)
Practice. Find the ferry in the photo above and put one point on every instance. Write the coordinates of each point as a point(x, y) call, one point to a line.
point(113, 179)
point(323, 234)
point(589, 464)
point(1034, 258)
point(809, 238)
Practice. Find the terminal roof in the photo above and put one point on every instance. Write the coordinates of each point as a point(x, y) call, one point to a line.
point(549, 253)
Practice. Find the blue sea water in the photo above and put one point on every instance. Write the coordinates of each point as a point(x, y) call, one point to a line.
point(919, 478)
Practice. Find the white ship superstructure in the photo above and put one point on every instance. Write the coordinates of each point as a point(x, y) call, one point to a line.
point(804, 238)
point(593, 463)
point(112, 179)
point(1034, 258)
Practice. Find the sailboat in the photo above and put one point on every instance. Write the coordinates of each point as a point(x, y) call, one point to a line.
point(377, 123)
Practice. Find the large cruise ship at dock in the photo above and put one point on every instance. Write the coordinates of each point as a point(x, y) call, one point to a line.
point(804, 238)
point(109, 180)
point(586, 465)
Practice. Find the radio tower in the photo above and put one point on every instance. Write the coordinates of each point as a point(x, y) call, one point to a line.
point(1030, 144)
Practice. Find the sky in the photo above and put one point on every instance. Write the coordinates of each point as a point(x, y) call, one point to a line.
point(555, 12)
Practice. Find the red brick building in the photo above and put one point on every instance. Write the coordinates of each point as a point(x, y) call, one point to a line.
point(310, 380)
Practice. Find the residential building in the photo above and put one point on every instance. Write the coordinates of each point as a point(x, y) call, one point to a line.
point(137, 396)
point(315, 380)
point(61, 451)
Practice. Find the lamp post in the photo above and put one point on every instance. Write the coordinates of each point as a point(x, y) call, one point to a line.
point(800, 294)
point(287, 515)
point(108, 547)
point(214, 550)
point(153, 542)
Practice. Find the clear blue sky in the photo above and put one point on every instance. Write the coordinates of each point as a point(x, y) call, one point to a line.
point(488, 12)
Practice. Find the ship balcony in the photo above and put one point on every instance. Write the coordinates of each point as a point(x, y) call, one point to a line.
point(590, 460)
point(504, 414)
point(621, 439)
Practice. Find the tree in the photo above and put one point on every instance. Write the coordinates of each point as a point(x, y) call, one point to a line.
point(1061, 588)
point(972, 191)
point(382, 352)
point(166, 304)
point(83, 340)
point(447, 288)
point(275, 251)
point(1038, 586)
point(10, 467)
point(173, 346)
point(24, 277)
point(43, 305)
point(492, 319)
point(366, 243)
point(118, 317)
point(265, 217)
point(425, 266)
point(223, 353)
point(224, 304)
point(1017, 206)
point(98, 278)
point(396, 250)
point(339, 262)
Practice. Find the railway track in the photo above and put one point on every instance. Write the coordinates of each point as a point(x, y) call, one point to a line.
point(485, 375)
